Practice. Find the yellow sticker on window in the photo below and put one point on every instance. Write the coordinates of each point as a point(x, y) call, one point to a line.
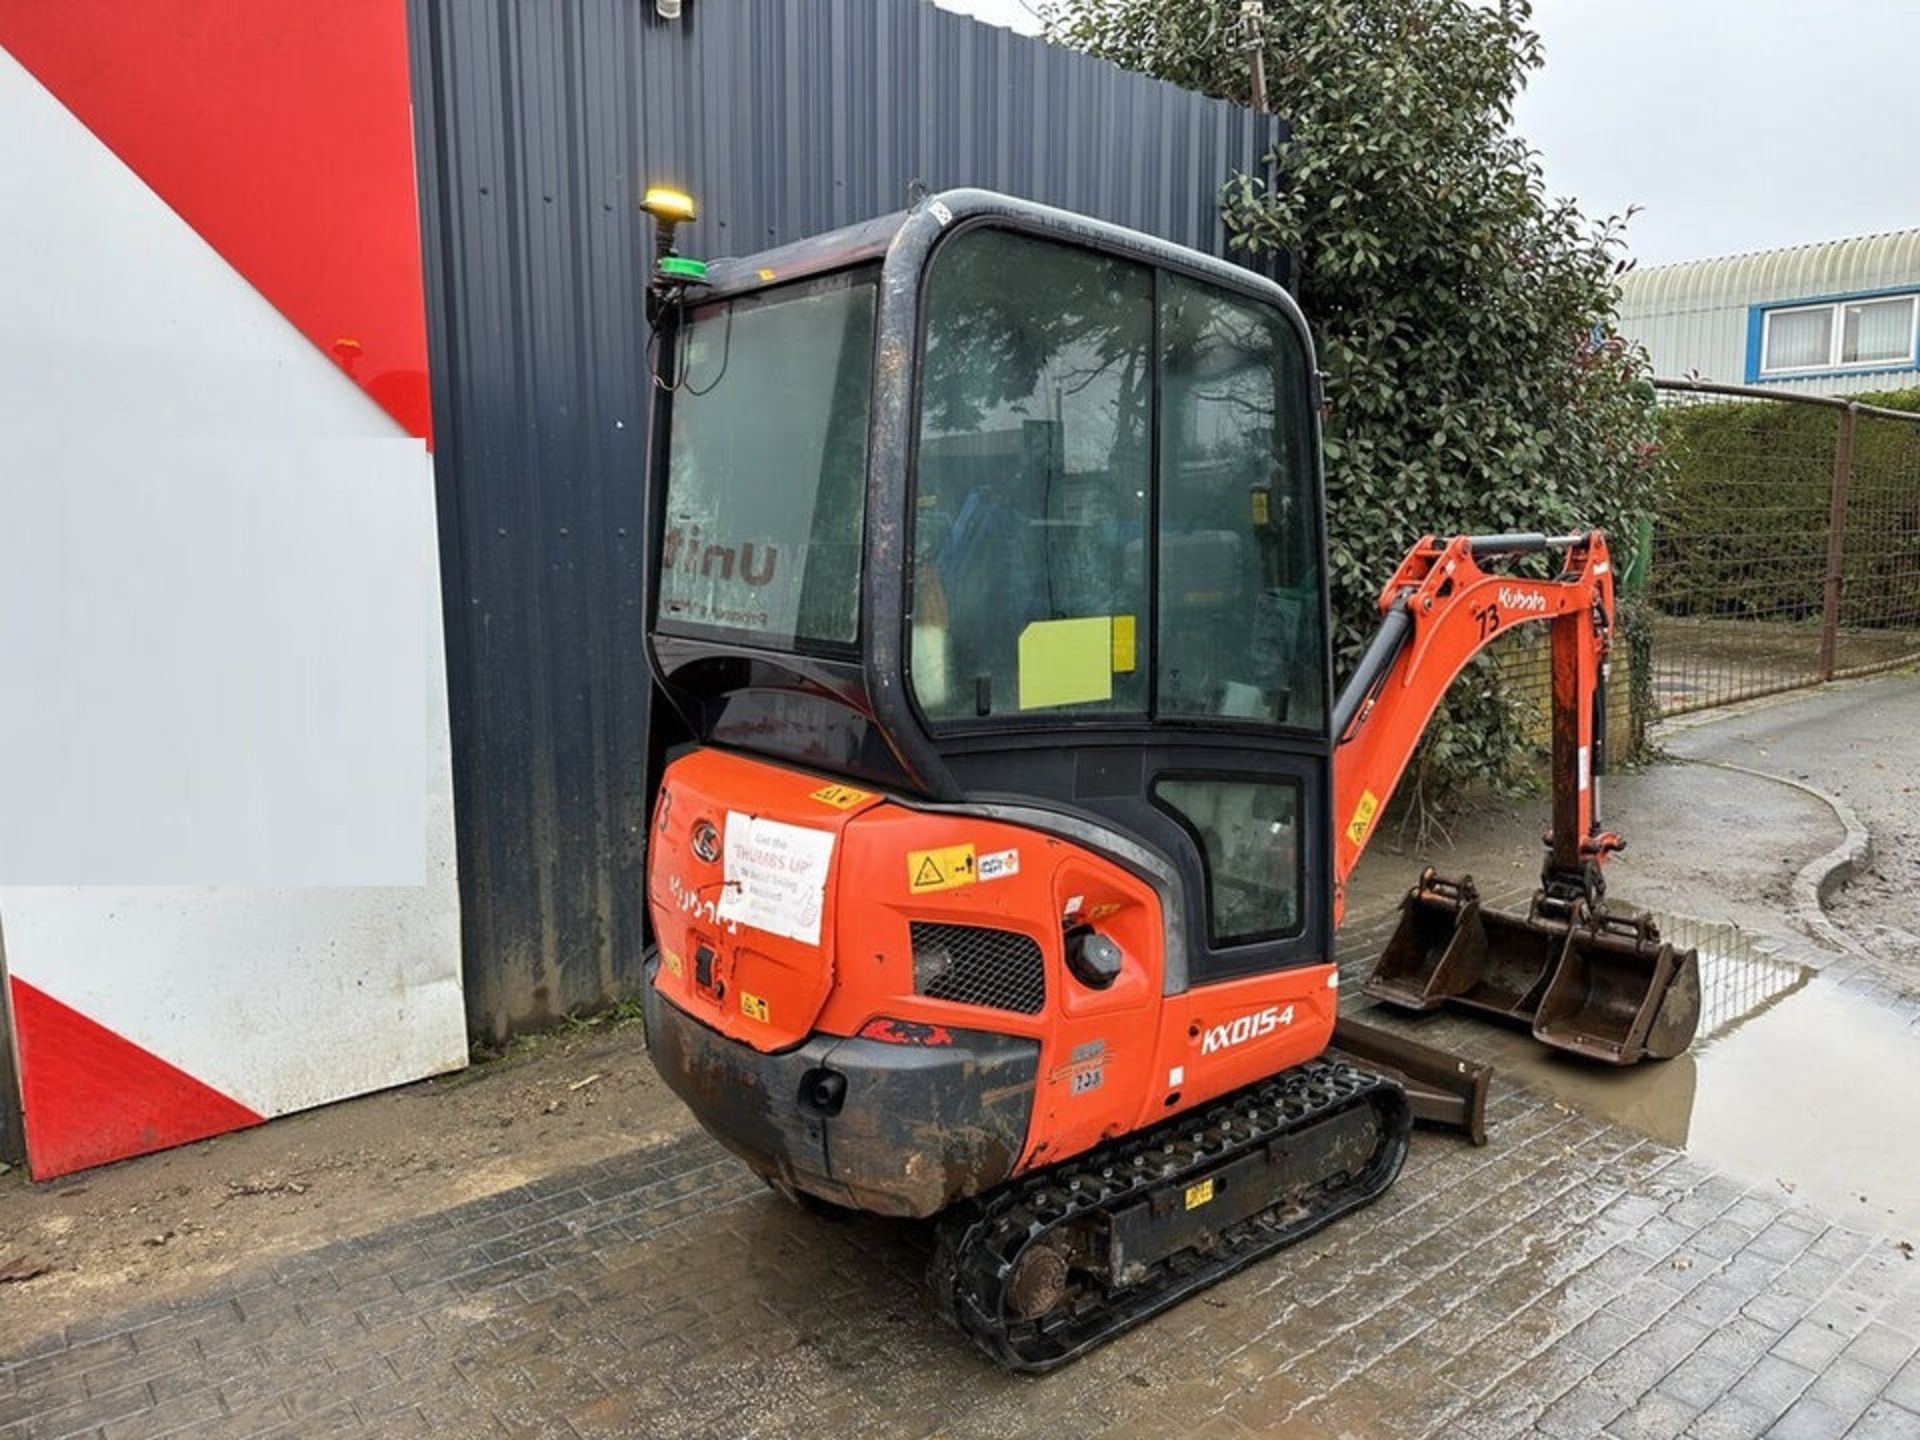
point(1066, 662)
point(754, 1008)
point(1262, 508)
point(1199, 1194)
point(945, 869)
point(1362, 816)
point(1123, 651)
point(841, 797)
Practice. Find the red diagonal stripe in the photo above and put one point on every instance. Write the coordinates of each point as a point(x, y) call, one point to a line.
point(281, 131)
point(91, 1096)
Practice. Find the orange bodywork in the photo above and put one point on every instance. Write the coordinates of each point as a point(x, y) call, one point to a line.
point(1111, 1061)
point(782, 900)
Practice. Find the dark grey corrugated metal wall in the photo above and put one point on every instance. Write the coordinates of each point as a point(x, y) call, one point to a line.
point(538, 123)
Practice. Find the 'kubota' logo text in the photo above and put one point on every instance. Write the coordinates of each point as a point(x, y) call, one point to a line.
point(1247, 1027)
point(1522, 599)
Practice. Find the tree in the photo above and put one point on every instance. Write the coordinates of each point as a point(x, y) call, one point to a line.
point(1464, 318)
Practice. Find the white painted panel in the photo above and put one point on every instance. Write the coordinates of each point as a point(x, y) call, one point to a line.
point(280, 998)
point(210, 623)
point(213, 659)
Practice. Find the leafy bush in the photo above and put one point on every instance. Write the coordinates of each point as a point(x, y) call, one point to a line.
point(1465, 319)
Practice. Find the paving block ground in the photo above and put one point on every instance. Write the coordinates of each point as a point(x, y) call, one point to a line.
point(1572, 1278)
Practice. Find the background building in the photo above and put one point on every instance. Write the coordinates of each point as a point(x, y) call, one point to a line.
point(1836, 318)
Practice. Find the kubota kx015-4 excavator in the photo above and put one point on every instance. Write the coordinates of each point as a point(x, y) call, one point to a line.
point(1000, 879)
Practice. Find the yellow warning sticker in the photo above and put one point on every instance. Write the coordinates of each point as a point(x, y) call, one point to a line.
point(840, 797)
point(675, 965)
point(945, 869)
point(1199, 1194)
point(1124, 657)
point(754, 1008)
point(1362, 816)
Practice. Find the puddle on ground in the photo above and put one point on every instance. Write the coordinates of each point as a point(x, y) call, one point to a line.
point(1791, 1080)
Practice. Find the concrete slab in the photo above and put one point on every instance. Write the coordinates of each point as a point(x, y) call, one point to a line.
point(1715, 845)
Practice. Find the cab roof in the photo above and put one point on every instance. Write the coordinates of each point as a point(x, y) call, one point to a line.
point(871, 240)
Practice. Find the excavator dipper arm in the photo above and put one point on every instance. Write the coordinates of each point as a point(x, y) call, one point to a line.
point(1439, 610)
point(1601, 985)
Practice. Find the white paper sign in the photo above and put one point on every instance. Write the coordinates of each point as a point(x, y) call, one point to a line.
point(776, 876)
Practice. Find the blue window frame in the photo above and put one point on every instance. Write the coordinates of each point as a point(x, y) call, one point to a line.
point(1872, 332)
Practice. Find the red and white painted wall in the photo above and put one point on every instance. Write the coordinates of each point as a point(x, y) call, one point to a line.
point(227, 885)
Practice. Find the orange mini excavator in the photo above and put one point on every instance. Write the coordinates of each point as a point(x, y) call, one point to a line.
point(1000, 878)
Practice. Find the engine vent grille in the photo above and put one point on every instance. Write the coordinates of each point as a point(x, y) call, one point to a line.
point(972, 965)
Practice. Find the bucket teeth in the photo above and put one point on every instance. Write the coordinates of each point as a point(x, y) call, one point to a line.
point(1604, 986)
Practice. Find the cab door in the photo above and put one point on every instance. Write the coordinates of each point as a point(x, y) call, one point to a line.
point(1117, 594)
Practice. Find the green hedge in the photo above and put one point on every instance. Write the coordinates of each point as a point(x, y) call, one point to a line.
point(1741, 525)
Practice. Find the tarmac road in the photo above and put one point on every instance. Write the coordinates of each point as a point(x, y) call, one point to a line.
point(1860, 742)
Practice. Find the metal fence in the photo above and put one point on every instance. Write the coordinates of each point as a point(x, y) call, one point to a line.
point(1786, 547)
point(1784, 552)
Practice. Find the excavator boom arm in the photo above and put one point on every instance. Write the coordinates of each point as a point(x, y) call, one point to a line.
point(1439, 610)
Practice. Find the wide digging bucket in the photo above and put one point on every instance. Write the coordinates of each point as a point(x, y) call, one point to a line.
point(1609, 989)
point(1621, 994)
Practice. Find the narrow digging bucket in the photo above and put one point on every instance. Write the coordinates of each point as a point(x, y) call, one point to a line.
point(1450, 950)
point(1620, 994)
point(1435, 951)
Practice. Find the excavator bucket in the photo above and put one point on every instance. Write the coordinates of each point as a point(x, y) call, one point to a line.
point(1449, 949)
point(1621, 994)
point(1439, 933)
point(1605, 987)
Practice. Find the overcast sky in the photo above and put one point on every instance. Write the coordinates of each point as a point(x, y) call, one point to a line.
point(1737, 124)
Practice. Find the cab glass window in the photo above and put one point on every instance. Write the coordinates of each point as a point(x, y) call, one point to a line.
point(1249, 834)
point(766, 489)
point(1029, 592)
point(1239, 572)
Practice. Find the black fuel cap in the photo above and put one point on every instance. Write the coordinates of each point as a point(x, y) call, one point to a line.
point(1093, 958)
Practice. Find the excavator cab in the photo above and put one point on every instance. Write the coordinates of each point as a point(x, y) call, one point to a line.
point(1000, 876)
point(988, 505)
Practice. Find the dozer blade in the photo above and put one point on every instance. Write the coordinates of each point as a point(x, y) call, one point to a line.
point(1442, 1089)
point(1605, 987)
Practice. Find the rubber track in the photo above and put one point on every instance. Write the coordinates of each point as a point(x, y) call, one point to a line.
point(980, 1242)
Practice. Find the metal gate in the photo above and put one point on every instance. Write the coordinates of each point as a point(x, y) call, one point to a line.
point(1786, 546)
